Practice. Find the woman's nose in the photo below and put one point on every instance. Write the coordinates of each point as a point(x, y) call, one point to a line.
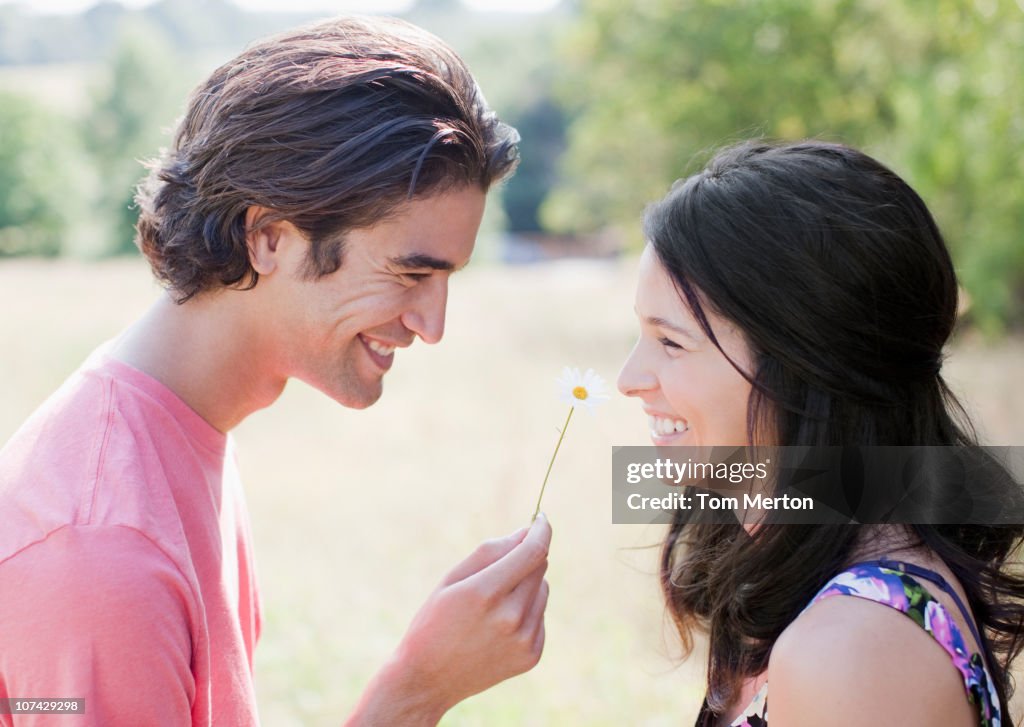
point(635, 377)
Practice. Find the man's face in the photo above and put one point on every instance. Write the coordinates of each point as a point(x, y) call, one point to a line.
point(339, 332)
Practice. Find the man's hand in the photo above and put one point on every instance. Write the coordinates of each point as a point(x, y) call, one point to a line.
point(483, 624)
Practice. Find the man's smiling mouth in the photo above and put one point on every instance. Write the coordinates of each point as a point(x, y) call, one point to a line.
point(380, 353)
point(379, 348)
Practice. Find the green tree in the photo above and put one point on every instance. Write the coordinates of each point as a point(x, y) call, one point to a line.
point(934, 89)
point(958, 134)
point(542, 126)
point(515, 61)
point(39, 162)
point(129, 121)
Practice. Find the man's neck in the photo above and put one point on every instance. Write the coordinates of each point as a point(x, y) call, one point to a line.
point(208, 353)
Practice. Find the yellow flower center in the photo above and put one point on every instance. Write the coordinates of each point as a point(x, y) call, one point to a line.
point(580, 392)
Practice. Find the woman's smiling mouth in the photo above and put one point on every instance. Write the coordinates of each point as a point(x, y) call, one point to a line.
point(666, 428)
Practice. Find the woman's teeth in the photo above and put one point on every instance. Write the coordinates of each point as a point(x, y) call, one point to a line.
point(663, 427)
point(380, 348)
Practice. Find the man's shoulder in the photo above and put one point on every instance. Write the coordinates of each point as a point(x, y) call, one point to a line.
point(91, 558)
point(84, 457)
point(75, 407)
point(47, 463)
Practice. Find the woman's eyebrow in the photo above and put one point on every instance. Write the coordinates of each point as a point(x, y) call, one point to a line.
point(663, 323)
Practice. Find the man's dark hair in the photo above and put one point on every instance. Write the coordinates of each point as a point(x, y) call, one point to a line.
point(331, 127)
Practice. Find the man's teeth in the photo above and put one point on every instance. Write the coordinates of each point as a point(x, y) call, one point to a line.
point(663, 427)
point(380, 348)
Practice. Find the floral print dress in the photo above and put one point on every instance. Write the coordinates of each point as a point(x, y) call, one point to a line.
point(891, 583)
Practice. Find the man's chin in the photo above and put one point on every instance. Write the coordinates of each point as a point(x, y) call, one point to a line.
point(361, 398)
point(363, 403)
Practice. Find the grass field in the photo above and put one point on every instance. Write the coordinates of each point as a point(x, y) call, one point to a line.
point(357, 515)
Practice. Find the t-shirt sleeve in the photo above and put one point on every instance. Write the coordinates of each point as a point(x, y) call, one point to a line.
point(97, 613)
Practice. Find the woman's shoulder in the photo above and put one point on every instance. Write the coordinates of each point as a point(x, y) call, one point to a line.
point(859, 661)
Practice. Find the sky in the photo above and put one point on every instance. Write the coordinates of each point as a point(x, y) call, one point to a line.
point(332, 6)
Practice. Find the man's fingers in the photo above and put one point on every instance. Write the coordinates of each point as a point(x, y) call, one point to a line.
point(535, 621)
point(502, 576)
point(537, 606)
point(524, 594)
point(485, 554)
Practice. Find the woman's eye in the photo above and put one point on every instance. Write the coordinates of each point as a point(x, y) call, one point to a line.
point(667, 343)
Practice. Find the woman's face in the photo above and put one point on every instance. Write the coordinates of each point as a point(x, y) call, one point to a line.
point(691, 393)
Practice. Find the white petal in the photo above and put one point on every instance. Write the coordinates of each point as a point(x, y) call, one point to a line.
point(594, 385)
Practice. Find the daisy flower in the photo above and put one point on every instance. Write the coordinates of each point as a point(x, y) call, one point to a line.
point(585, 390)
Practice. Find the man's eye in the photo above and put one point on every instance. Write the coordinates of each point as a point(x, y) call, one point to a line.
point(670, 344)
point(416, 277)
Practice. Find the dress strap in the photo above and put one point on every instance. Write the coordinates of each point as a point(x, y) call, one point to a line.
point(930, 575)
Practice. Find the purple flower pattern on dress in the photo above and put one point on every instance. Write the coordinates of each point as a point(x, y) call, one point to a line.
point(937, 621)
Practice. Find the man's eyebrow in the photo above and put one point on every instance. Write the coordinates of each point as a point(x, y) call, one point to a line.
point(419, 261)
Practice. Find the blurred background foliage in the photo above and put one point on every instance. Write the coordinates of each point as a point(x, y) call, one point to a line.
point(614, 101)
point(36, 149)
point(935, 89)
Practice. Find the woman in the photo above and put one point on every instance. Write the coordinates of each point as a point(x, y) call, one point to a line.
point(801, 294)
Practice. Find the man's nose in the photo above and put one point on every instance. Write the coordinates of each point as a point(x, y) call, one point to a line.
point(426, 318)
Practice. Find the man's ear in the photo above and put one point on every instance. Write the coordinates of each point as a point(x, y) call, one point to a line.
point(263, 239)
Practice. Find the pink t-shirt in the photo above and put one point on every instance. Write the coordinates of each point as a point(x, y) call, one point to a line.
point(126, 571)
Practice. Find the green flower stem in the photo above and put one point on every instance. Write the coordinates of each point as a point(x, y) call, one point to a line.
point(554, 454)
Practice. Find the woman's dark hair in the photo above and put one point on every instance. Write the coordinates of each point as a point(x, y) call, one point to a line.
point(836, 273)
point(331, 127)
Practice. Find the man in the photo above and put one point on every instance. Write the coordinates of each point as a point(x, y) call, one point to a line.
point(320, 190)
